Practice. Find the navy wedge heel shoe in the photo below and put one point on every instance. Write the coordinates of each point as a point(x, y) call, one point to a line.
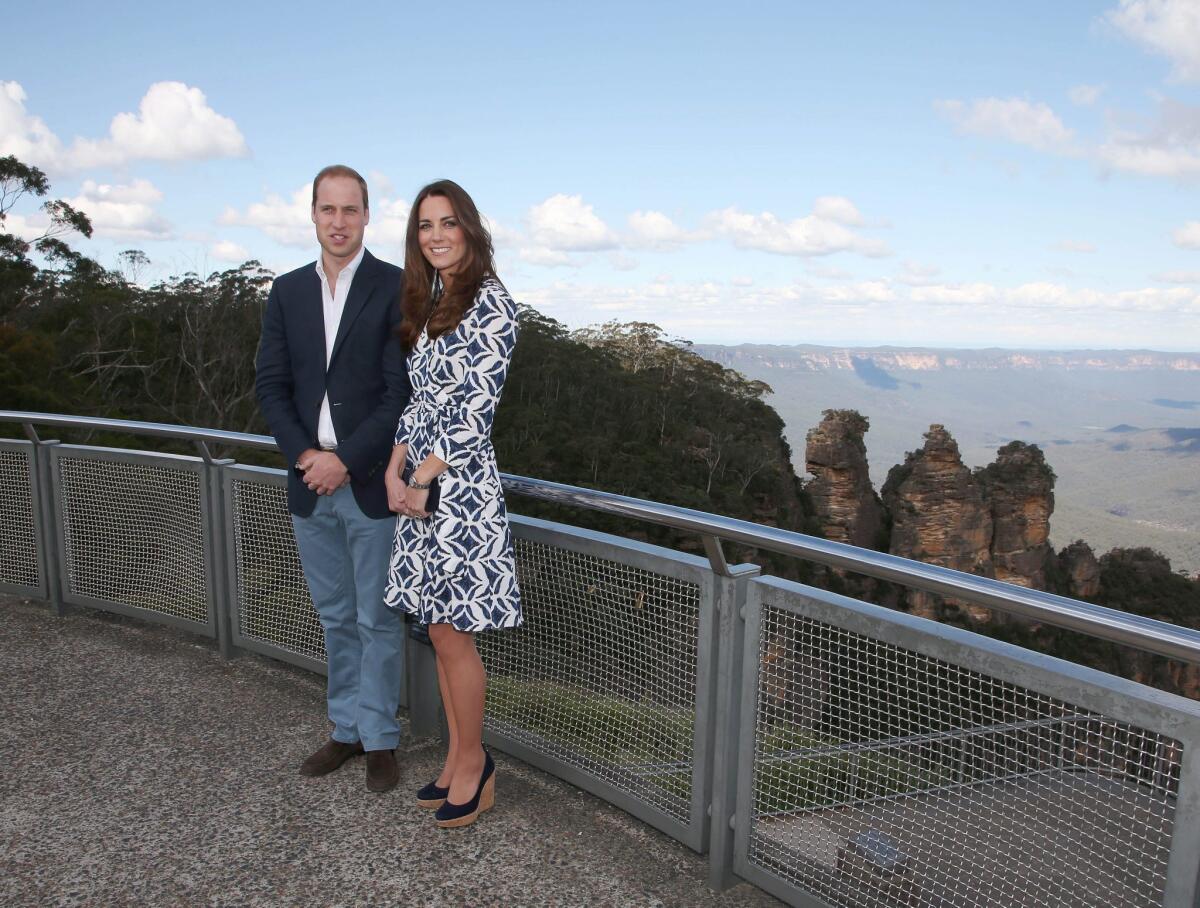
point(450, 815)
point(432, 796)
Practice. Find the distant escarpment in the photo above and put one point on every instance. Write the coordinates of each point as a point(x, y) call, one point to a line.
point(813, 358)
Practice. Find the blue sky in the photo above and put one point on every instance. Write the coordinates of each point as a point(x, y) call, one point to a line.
point(1016, 174)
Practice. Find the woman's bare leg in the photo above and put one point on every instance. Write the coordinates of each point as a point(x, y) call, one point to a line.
point(443, 779)
point(466, 683)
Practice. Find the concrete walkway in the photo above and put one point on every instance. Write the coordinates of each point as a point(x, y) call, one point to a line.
point(139, 768)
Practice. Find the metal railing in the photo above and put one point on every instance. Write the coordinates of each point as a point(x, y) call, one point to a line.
point(828, 750)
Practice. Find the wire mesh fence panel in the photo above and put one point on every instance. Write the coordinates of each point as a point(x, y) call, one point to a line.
point(602, 675)
point(133, 532)
point(272, 602)
point(883, 776)
point(19, 563)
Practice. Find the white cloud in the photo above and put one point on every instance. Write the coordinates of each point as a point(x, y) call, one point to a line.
point(26, 228)
point(859, 292)
point(564, 225)
point(654, 230)
point(1177, 277)
point(502, 236)
point(226, 251)
point(1187, 236)
point(1170, 28)
point(622, 262)
point(24, 135)
point(813, 235)
point(1135, 156)
point(547, 258)
point(916, 274)
point(567, 224)
point(882, 312)
point(838, 209)
point(174, 122)
point(1073, 246)
point(123, 211)
point(975, 294)
point(1168, 147)
point(1085, 95)
point(289, 221)
point(828, 272)
point(1043, 295)
point(388, 227)
point(379, 184)
point(742, 280)
point(1013, 119)
point(558, 226)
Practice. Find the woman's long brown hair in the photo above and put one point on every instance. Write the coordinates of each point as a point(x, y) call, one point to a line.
point(416, 303)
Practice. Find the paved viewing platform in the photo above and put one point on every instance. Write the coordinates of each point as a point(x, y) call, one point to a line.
point(139, 767)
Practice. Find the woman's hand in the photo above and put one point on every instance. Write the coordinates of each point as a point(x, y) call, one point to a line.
point(403, 498)
point(414, 502)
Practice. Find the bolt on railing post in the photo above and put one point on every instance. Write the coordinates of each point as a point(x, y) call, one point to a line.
point(730, 642)
point(47, 518)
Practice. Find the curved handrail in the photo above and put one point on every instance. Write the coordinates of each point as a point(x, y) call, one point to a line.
point(1148, 634)
point(135, 427)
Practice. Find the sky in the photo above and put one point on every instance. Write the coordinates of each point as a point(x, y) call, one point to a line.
point(1017, 174)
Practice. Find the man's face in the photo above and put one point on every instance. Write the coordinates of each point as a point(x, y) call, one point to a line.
point(340, 217)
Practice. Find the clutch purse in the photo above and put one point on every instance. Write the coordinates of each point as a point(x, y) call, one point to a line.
point(435, 488)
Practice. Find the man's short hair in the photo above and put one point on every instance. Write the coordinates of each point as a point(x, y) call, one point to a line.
point(341, 170)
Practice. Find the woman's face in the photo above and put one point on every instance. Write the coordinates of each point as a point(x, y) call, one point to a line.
point(441, 237)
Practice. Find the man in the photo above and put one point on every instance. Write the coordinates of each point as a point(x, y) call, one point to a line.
point(332, 384)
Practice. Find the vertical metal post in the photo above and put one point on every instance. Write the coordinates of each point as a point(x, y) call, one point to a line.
point(47, 517)
point(1183, 866)
point(425, 716)
point(221, 592)
point(730, 643)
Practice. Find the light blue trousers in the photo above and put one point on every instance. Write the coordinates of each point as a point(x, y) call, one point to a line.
point(345, 556)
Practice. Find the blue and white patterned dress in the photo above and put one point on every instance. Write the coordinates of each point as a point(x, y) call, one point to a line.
point(457, 566)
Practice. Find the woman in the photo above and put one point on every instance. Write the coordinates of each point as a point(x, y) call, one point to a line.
point(452, 562)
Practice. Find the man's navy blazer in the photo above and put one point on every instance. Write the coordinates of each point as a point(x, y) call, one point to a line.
point(367, 381)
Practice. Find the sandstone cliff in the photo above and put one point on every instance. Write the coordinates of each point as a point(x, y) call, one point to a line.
point(1019, 488)
point(939, 516)
point(994, 522)
point(847, 506)
point(1080, 569)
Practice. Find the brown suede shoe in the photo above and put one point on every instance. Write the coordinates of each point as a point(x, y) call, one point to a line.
point(331, 755)
point(382, 771)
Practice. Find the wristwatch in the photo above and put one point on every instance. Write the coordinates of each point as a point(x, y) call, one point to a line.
point(419, 486)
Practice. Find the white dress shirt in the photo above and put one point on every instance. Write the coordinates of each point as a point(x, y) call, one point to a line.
point(332, 305)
